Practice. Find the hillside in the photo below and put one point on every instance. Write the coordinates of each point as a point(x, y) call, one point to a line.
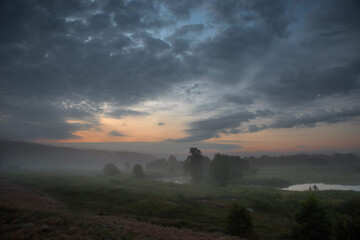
point(35, 155)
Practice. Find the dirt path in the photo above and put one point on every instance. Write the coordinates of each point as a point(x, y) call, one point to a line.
point(29, 213)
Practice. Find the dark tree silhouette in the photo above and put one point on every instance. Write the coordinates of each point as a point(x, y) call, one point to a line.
point(157, 165)
point(220, 170)
point(312, 220)
point(225, 167)
point(172, 162)
point(347, 227)
point(239, 221)
point(194, 164)
point(111, 169)
point(138, 171)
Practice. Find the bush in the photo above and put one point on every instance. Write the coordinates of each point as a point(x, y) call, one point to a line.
point(138, 171)
point(111, 169)
point(312, 220)
point(239, 221)
point(348, 227)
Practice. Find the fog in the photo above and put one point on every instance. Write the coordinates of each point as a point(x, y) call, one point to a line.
point(24, 155)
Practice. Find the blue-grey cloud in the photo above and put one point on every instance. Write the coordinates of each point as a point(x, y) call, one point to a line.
point(239, 99)
point(212, 127)
point(119, 113)
point(304, 86)
point(115, 133)
point(65, 60)
point(310, 120)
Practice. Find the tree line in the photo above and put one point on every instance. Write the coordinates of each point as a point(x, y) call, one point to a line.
point(334, 160)
point(221, 169)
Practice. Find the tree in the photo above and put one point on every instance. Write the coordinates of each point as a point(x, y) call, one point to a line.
point(312, 220)
point(172, 159)
point(224, 167)
point(157, 165)
point(239, 221)
point(220, 169)
point(138, 171)
point(172, 162)
point(347, 227)
point(111, 169)
point(194, 164)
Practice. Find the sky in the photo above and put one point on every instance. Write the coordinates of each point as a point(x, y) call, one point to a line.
point(235, 76)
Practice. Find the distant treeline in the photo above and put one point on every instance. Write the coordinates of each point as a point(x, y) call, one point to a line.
point(335, 160)
point(171, 165)
point(20, 154)
point(33, 155)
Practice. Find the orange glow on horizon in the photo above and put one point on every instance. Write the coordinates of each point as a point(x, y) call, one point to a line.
point(134, 129)
point(146, 129)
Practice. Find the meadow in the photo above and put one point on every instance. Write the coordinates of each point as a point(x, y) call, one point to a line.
point(202, 206)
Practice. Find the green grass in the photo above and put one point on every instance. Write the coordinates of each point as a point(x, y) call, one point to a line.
point(196, 206)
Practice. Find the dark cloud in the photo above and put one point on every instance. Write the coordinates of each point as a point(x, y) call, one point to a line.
point(65, 60)
point(184, 30)
point(115, 133)
point(119, 113)
point(310, 120)
point(161, 124)
point(59, 49)
point(181, 9)
point(229, 124)
point(304, 86)
point(239, 99)
point(273, 17)
point(264, 113)
point(253, 128)
point(40, 120)
point(246, 32)
point(212, 127)
point(334, 15)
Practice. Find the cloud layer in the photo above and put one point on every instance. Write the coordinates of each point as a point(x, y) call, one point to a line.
point(250, 65)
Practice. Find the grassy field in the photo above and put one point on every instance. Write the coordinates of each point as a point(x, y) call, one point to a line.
point(196, 206)
point(284, 176)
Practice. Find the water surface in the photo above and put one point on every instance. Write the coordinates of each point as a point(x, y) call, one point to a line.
point(179, 180)
point(322, 186)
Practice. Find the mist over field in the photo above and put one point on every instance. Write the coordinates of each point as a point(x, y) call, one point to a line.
point(207, 119)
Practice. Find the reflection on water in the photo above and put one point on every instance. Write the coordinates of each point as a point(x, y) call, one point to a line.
point(179, 180)
point(322, 186)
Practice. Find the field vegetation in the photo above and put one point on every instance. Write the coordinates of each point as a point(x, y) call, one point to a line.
point(200, 206)
point(227, 195)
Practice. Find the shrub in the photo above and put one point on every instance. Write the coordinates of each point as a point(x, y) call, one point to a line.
point(312, 220)
point(348, 227)
point(138, 171)
point(111, 169)
point(239, 221)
